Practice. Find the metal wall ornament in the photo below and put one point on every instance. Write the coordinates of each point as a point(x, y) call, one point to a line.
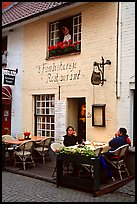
point(97, 76)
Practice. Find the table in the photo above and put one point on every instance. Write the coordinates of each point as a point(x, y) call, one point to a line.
point(95, 145)
point(15, 141)
point(92, 184)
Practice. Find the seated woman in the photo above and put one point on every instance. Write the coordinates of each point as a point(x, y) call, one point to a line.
point(70, 138)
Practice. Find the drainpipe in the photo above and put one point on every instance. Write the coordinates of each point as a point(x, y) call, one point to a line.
point(119, 50)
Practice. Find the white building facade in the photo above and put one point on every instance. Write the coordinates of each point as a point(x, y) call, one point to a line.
point(28, 53)
point(126, 68)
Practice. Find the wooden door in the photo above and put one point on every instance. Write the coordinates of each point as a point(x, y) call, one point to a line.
point(6, 119)
point(81, 119)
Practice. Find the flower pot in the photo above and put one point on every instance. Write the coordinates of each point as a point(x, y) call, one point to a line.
point(26, 135)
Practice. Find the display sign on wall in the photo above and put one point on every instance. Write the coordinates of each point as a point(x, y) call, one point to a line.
point(60, 119)
point(9, 76)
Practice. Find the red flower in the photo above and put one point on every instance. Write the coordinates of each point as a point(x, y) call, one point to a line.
point(72, 45)
point(63, 48)
point(77, 43)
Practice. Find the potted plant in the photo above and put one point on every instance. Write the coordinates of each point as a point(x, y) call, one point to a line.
point(26, 135)
point(83, 153)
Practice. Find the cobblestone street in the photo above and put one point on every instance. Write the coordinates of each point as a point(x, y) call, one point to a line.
point(18, 188)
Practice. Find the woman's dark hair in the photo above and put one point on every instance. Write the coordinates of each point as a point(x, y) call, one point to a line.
point(123, 131)
point(69, 127)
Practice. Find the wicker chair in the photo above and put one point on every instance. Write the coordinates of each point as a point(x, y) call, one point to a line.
point(117, 159)
point(88, 167)
point(42, 148)
point(9, 150)
point(24, 152)
point(54, 146)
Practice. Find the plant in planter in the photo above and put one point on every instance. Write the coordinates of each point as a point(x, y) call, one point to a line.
point(84, 151)
point(63, 48)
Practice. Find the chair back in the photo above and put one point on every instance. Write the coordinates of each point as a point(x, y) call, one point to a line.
point(21, 135)
point(121, 151)
point(26, 146)
point(44, 143)
point(54, 146)
point(7, 137)
point(98, 151)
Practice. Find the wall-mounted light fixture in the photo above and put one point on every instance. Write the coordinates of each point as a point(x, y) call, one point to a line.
point(100, 68)
point(98, 115)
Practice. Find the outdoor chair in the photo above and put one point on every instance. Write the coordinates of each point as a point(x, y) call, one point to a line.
point(9, 149)
point(54, 147)
point(88, 167)
point(24, 153)
point(42, 148)
point(117, 159)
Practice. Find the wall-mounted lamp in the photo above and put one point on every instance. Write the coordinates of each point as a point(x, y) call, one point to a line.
point(100, 69)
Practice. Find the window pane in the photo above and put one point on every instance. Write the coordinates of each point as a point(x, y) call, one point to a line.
point(52, 134)
point(52, 127)
point(47, 111)
point(52, 119)
point(47, 104)
point(47, 133)
point(47, 126)
point(79, 37)
point(43, 97)
point(75, 21)
point(47, 97)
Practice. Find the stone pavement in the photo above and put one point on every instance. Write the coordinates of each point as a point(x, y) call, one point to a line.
point(20, 188)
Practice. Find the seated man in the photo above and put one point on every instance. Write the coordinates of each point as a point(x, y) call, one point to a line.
point(121, 138)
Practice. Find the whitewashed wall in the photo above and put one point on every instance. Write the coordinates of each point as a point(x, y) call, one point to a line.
point(127, 68)
point(14, 61)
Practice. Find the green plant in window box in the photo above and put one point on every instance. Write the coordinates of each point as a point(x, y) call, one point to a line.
point(63, 48)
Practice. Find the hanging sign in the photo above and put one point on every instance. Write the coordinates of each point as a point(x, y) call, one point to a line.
point(95, 78)
point(9, 76)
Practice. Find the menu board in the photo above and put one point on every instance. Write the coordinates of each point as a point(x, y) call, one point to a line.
point(60, 119)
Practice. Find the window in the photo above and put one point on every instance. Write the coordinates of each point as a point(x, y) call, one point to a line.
point(45, 115)
point(98, 115)
point(71, 29)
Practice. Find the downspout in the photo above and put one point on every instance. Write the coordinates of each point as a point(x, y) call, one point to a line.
point(119, 50)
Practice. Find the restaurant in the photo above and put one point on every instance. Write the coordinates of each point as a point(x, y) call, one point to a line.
point(73, 83)
point(61, 92)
